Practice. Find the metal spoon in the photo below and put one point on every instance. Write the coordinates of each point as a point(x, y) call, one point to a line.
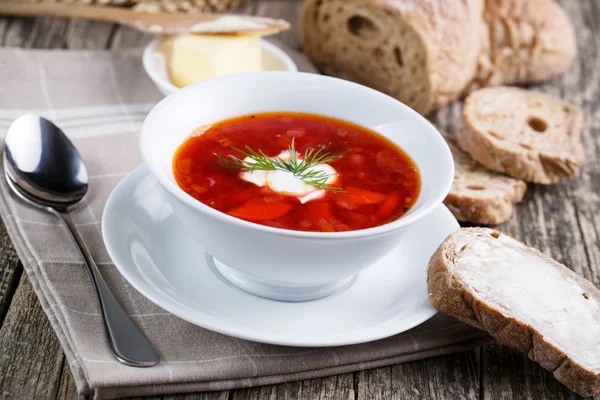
point(42, 167)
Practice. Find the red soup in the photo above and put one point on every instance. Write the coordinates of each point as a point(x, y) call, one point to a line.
point(298, 171)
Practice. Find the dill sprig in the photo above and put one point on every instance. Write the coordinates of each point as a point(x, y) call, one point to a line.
point(301, 167)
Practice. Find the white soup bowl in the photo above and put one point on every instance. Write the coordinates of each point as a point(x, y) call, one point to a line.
point(286, 264)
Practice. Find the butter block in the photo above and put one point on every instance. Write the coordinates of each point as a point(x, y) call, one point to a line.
point(198, 57)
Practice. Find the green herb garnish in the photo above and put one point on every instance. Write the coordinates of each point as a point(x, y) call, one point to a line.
point(299, 166)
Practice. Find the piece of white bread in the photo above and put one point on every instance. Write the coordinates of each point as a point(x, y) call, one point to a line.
point(523, 41)
point(525, 134)
point(426, 53)
point(421, 52)
point(478, 194)
point(524, 299)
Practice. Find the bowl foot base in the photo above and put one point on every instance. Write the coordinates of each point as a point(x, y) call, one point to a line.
point(260, 288)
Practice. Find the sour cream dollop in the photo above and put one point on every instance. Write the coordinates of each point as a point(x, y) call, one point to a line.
point(286, 183)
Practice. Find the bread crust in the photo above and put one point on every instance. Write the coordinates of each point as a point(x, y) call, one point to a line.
point(478, 194)
point(523, 42)
point(449, 48)
point(436, 67)
point(448, 294)
point(484, 211)
point(533, 164)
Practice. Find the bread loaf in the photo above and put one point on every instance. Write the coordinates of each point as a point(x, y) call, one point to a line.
point(478, 194)
point(524, 299)
point(427, 53)
point(523, 42)
point(421, 52)
point(528, 135)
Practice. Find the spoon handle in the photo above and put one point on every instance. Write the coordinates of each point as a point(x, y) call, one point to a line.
point(127, 343)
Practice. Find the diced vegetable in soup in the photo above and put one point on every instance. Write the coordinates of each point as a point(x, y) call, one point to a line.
point(298, 171)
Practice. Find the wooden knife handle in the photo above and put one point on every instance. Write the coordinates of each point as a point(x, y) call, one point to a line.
point(98, 13)
point(163, 23)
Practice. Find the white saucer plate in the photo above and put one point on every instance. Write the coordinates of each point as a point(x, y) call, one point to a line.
point(156, 255)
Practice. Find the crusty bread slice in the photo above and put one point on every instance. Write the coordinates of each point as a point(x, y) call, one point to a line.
point(524, 299)
point(528, 135)
point(422, 52)
point(478, 194)
point(523, 42)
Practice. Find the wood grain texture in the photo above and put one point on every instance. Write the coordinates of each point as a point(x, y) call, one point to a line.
point(88, 34)
point(10, 267)
point(124, 37)
point(224, 395)
point(31, 358)
point(561, 220)
point(340, 387)
point(285, 9)
point(66, 386)
point(32, 364)
point(449, 377)
point(10, 272)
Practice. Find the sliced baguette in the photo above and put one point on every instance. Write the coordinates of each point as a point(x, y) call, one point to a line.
point(478, 194)
point(523, 42)
point(527, 135)
point(421, 52)
point(524, 299)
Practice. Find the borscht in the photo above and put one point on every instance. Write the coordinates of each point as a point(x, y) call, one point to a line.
point(297, 171)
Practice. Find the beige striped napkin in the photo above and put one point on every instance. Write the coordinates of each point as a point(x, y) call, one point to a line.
point(100, 100)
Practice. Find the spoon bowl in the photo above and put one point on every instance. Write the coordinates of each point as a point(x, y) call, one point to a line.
point(43, 164)
point(42, 167)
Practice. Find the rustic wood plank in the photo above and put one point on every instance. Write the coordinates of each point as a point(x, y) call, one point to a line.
point(330, 388)
point(10, 272)
point(374, 384)
point(200, 396)
point(284, 9)
point(452, 376)
point(510, 375)
point(30, 355)
point(4, 22)
point(340, 387)
point(66, 386)
point(10, 266)
point(81, 34)
point(17, 31)
point(125, 37)
point(446, 119)
point(33, 364)
point(583, 86)
point(224, 395)
point(48, 33)
point(56, 33)
point(449, 377)
point(558, 219)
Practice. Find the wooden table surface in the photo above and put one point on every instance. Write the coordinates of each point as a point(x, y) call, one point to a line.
point(561, 220)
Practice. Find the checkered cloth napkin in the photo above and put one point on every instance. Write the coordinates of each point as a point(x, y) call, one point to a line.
point(100, 100)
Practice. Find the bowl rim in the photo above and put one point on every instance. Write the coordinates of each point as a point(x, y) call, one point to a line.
point(446, 175)
point(151, 70)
